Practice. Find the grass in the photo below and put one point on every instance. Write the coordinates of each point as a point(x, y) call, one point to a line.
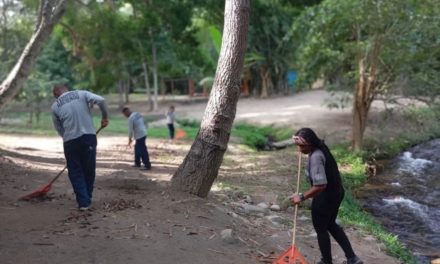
point(253, 136)
point(256, 137)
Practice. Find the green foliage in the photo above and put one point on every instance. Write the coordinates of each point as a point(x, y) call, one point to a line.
point(256, 136)
point(333, 36)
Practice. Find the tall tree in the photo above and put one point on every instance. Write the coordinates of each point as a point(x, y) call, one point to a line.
point(50, 12)
point(200, 167)
point(357, 46)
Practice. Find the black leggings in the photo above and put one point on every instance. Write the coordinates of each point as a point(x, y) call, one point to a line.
point(324, 213)
point(171, 130)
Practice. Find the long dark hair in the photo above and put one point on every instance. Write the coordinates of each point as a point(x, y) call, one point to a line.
point(310, 136)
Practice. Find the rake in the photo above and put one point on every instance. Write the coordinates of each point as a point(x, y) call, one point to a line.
point(292, 255)
point(45, 189)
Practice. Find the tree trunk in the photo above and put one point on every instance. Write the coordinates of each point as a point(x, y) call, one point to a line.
point(364, 93)
point(200, 167)
point(155, 82)
point(127, 91)
point(121, 94)
point(266, 82)
point(146, 78)
point(147, 86)
point(50, 13)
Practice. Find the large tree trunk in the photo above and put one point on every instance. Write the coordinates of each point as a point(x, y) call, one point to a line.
point(200, 167)
point(50, 12)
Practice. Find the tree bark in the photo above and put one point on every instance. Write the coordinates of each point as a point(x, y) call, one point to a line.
point(146, 77)
point(121, 94)
point(50, 13)
point(266, 81)
point(200, 167)
point(364, 93)
point(155, 77)
point(147, 86)
point(127, 91)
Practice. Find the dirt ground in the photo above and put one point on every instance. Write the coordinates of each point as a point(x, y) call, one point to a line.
point(137, 218)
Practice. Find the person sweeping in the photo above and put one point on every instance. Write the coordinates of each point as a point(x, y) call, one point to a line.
point(138, 131)
point(72, 119)
point(327, 193)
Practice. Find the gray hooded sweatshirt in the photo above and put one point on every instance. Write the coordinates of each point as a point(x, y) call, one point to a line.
point(71, 114)
point(136, 126)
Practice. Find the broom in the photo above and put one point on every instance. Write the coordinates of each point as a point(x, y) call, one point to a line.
point(45, 189)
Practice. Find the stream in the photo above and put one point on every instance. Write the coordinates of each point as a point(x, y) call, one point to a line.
point(405, 199)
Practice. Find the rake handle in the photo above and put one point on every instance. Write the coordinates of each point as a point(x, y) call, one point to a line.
point(296, 205)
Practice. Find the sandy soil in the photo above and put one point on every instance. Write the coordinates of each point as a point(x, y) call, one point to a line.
point(136, 218)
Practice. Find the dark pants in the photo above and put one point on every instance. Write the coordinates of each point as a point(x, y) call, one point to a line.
point(171, 130)
point(80, 155)
point(324, 213)
point(141, 153)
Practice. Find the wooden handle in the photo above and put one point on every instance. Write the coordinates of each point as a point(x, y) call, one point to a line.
point(296, 205)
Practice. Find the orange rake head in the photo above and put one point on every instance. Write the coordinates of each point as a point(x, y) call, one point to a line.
point(44, 190)
point(37, 194)
point(291, 256)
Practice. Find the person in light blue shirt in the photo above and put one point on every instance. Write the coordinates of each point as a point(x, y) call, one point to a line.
point(72, 119)
point(138, 131)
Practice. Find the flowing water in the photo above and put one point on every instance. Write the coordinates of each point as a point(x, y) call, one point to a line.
point(405, 199)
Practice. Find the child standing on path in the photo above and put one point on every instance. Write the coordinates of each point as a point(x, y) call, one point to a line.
point(137, 129)
point(171, 118)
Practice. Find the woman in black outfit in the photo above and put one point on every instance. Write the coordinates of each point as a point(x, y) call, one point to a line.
point(327, 193)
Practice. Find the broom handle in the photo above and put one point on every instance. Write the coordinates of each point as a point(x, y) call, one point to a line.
point(65, 166)
point(296, 205)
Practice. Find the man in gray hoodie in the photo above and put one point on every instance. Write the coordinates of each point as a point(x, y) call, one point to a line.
point(138, 131)
point(72, 119)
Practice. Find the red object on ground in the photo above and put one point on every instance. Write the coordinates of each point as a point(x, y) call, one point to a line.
point(44, 190)
point(291, 256)
point(180, 133)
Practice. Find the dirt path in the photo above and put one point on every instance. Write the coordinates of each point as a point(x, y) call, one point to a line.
point(138, 219)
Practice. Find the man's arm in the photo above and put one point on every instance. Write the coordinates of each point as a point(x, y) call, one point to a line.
point(130, 130)
point(57, 124)
point(100, 101)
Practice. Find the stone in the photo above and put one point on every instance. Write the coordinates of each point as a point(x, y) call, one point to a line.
point(228, 237)
point(276, 220)
point(263, 205)
point(275, 207)
point(250, 209)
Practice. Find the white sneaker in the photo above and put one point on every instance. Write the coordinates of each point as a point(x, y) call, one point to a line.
point(84, 208)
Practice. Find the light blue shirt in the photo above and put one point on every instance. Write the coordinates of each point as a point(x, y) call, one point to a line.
point(136, 126)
